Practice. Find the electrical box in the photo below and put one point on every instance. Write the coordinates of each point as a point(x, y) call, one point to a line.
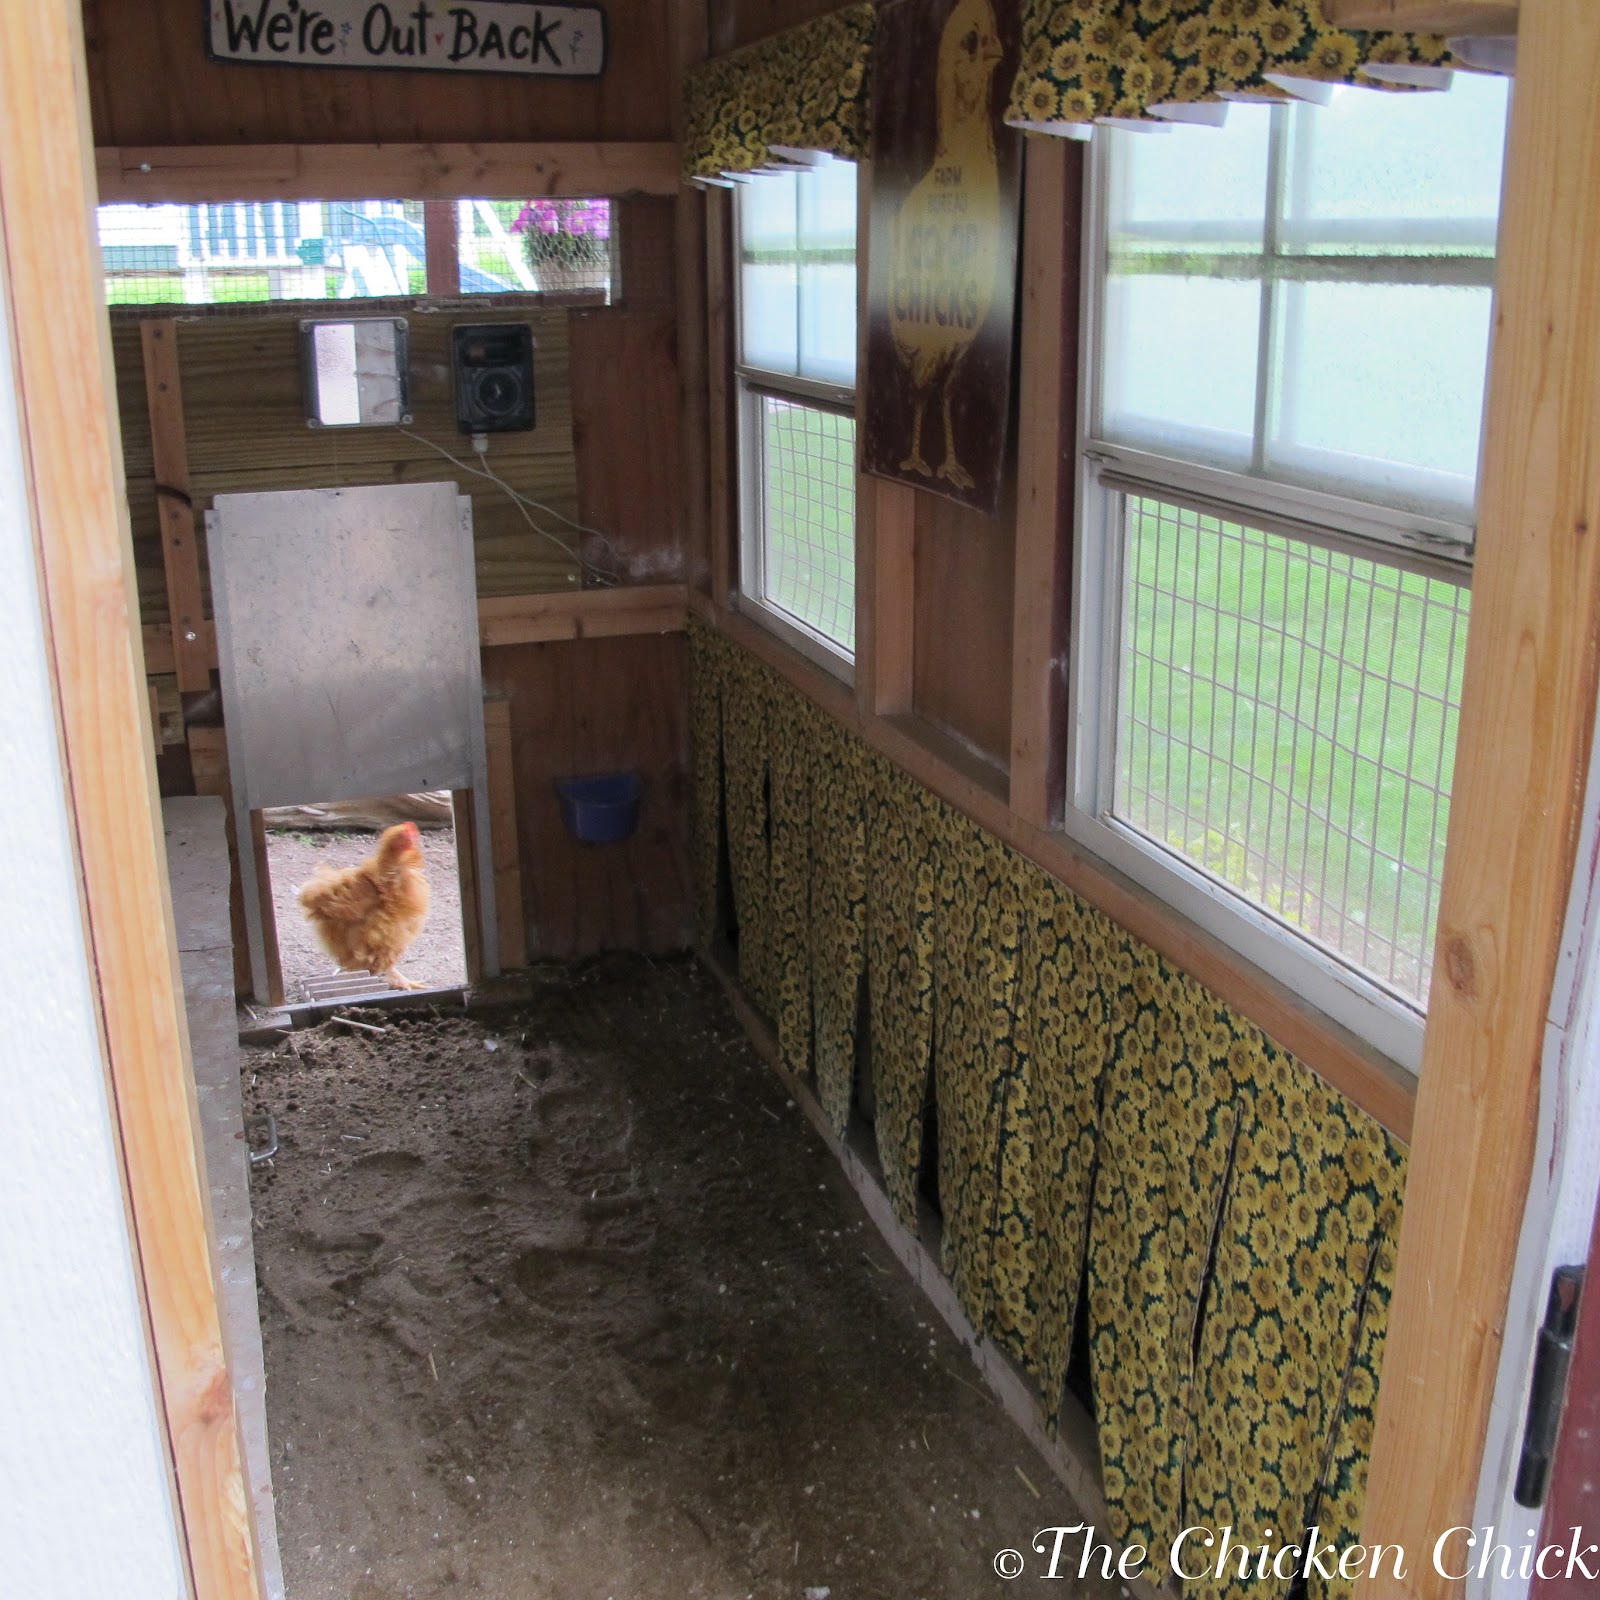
point(494, 377)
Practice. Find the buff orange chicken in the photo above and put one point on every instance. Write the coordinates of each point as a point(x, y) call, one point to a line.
point(366, 916)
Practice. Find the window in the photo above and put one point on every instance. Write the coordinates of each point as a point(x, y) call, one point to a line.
point(797, 371)
point(348, 249)
point(1284, 393)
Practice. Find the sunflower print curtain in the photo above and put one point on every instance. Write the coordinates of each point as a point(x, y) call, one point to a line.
point(1152, 60)
point(805, 89)
point(1102, 1120)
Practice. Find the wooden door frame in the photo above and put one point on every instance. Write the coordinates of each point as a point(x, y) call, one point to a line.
point(73, 457)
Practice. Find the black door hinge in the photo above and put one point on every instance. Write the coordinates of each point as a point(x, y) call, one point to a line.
point(1548, 1392)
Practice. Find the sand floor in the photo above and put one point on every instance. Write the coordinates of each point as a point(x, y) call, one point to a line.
point(569, 1301)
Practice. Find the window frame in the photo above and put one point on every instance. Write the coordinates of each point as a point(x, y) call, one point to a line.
point(752, 385)
point(1104, 474)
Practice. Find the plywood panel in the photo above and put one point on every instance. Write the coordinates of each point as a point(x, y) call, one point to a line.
point(625, 433)
point(965, 566)
point(598, 705)
point(150, 82)
point(244, 418)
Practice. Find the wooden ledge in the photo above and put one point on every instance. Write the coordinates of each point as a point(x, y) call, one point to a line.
point(195, 173)
point(512, 619)
point(941, 765)
point(1456, 17)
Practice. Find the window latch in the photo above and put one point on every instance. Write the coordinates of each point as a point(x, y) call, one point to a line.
point(1548, 1392)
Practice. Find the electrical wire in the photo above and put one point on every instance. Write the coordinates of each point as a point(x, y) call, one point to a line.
point(591, 571)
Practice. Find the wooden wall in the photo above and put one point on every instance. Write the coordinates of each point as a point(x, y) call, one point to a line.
point(590, 706)
point(245, 418)
point(965, 575)
point(605, 451)
point(151, 83)
point(733, 23)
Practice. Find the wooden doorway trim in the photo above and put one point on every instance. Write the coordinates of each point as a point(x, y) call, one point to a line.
point(1527, 720)
point(73, 458)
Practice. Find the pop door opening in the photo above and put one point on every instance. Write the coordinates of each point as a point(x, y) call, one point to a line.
point(302, 841)
point(347, 642)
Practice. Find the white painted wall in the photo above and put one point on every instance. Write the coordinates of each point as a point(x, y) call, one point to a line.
point(86, 1505)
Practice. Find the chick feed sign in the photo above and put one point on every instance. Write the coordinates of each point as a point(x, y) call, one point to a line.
point(942, 257)
point(469, 36)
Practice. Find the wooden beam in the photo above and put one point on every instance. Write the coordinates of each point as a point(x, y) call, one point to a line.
point(510, 917)
point(180, 555)
point(964, 780)
point(441, 242)
point(208, 765)
point(1527, 720)
point(158, 653)
point(723, 435)
point(1425, 16)
point(466, 830)
point(511, 619)
point(79, 525)
point(894, 595)
point(586, 614)
point(195, 173)
point(866, 665)
point(1047, 427)
point(688, 21)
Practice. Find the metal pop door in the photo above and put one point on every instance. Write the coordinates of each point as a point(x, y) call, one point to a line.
point(347, 637)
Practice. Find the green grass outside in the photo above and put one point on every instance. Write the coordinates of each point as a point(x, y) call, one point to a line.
point(1246, 658)
point(811, 517)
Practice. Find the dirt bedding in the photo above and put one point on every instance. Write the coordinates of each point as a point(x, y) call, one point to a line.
point(569, 1301)
point(437, 958)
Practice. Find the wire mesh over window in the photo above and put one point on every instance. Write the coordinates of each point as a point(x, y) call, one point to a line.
point(259, 251)
point(808, 516)
point(1287, 721)
point(535, 246)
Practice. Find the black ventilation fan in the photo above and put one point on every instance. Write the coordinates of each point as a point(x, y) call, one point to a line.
point(494, 377)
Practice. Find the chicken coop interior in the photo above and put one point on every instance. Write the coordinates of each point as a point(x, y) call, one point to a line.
point(977, 617)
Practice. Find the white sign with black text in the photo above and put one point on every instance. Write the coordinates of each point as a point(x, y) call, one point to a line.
point(466, 36)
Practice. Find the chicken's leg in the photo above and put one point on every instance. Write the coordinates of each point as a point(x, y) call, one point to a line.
point(914, 461)
point(398, 980)
point(950, 469)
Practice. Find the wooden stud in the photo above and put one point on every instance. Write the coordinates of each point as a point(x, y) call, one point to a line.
point(509, 914)
point(441, 242)
point(894, 595)
point(79, 524)
point(194, 173)
point(1527, 720)
point(467, 872)
point(1425, 16)
point(688, 20)
point(268, 912)
point(208, 764)
point(1047, 421)
point(174, 502)
point(723, 435)
point(588, 614)
point(866, 671)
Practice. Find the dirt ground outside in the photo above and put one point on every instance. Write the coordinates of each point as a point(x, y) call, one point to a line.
point(437, 959)
point(569, 1302)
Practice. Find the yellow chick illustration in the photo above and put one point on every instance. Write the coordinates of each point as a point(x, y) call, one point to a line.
point(947, 233)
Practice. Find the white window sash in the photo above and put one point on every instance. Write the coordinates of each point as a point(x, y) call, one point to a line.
point(1105, 473)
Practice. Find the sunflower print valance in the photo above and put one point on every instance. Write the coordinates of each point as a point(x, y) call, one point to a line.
point(1136, 61)
point(804, 90)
